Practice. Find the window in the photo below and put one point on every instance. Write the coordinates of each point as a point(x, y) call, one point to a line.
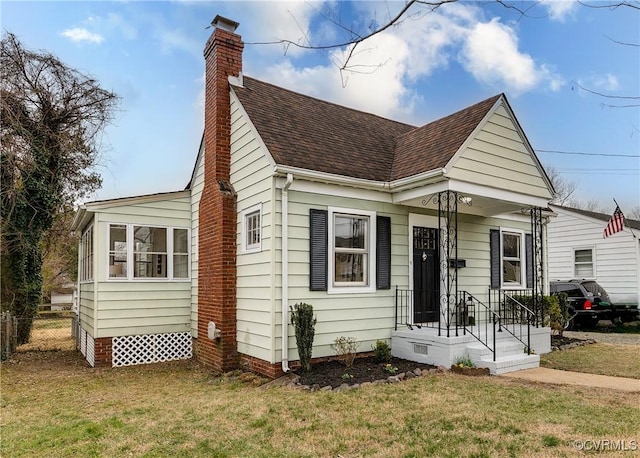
point(252, 229)
point(180, 253)
point(86, 255)
point(152, 252)
point(351, 249)
point(511, 258)
point(149, 252)
point(583, 263)
point(118, 251)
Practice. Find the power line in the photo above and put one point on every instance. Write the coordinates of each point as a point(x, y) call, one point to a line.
point(580, 153)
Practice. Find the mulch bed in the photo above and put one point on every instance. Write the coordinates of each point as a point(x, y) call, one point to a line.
point(557, 341)
point(363, 370)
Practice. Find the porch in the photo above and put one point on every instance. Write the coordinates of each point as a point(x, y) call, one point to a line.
point(500, 333)
point(476, 284)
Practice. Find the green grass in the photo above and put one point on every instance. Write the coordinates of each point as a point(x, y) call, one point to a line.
point(53, 405)
point(601, 358)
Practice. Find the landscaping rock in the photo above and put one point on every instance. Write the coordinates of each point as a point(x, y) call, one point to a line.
point(326, 388)
point(442, 369)
point(417, 371)
point(393, 379)
point(410, 375)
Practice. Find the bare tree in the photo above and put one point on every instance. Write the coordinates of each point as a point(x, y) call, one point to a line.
point(634, 213)
point(564, 188)
point(51, 118)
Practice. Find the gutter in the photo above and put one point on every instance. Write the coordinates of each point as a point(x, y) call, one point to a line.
point(285, 273)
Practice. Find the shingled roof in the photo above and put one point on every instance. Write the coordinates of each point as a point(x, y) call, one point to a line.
point(308, 133)
point(632, 223)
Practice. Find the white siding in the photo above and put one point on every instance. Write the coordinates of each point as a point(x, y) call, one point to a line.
point(196, 193)
point(365, 316)
point(371, 316)
point(86, 307)
point(251, 178)
point(498, 157)
point(615, 258)
point(140, 307)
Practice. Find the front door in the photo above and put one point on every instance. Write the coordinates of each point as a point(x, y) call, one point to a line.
point(426, 281)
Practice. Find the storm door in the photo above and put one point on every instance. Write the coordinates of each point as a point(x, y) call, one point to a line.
point(426, 281)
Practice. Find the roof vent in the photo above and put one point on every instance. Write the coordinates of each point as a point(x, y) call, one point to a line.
point(220, 22)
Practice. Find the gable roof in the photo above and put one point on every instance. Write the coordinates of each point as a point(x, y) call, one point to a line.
point(441, 139)
point(313, 134)
point(632, 223)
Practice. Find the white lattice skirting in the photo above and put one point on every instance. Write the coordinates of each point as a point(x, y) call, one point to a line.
point(150, 348)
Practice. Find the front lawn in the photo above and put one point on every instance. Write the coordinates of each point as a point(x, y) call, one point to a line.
point(53, 405)
point(600, 358)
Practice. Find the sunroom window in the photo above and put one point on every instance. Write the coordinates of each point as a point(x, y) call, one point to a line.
point(118, 251)
point(86, 255)
point(149, 252)
point(146, 252)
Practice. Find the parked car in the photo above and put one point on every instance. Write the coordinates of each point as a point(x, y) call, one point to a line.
point(588, 303)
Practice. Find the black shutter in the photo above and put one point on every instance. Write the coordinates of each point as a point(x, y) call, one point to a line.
point(494, 248)
point(528, 246)
point(383, 252)
point(318, 231)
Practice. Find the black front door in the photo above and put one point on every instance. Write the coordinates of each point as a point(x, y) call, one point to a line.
point(426, 281)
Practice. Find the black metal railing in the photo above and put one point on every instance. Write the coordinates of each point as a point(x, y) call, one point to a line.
point(508, 311)
point(477, 319)
point(507, 303)
point(519, 310)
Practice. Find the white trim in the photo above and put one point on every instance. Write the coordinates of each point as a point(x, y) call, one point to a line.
point(523, 259)
point(371, 253)
point(328, 189)
point(244, 246)
point(252, 128)
point(591, 248)
point(130, 255)
point(106, 204)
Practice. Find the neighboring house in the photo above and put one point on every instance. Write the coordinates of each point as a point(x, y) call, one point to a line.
point(62, 298)
point(578, 250)
point(429, 236)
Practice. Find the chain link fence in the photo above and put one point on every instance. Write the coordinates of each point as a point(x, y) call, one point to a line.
point(51, 330)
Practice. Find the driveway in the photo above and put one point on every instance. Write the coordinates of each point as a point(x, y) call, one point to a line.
point(606, 337)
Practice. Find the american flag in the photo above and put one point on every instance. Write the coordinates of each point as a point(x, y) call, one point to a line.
point(616, 223)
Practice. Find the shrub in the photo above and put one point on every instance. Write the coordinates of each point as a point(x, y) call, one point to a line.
point(304, 324)
point(464, 361)
point(559, 313)
point(345, 348)
point(382, 351)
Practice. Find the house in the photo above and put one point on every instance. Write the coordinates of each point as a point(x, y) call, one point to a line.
point(431, 237)
point(578, 250)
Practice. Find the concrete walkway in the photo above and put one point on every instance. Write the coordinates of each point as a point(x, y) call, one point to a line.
point(554, 376)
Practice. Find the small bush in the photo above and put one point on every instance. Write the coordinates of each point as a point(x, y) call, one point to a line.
point(464, 361)
point(345, 348)
point(305, 327)
point(558, 313)
point(382, 351)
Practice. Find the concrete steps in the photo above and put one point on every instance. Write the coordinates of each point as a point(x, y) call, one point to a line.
point(510, 357)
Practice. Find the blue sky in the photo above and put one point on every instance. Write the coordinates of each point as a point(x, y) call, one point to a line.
point(150, 54)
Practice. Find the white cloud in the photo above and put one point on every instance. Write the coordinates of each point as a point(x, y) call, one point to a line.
point(560, 10)
point(79, 34)
point(388, 64)
point(607, 82)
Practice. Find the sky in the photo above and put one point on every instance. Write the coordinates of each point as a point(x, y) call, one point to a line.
point(548, 62)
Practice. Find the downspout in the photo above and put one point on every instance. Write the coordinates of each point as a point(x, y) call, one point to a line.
point(285, 272)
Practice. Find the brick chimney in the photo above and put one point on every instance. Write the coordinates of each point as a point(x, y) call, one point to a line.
point(217, 213)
